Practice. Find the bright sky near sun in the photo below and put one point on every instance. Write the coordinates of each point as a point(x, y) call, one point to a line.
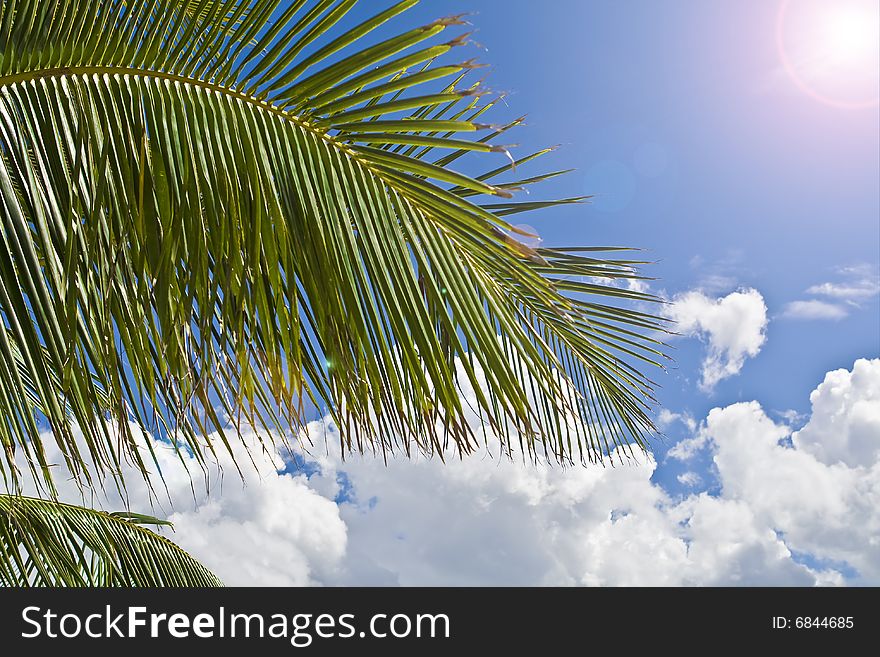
point(737, 142)
point(831, 50)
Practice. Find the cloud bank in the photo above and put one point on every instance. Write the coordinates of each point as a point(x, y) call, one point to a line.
point(264, 527)
point(793, 509)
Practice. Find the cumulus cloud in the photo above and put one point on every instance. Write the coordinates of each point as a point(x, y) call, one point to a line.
point(484, 520)
point(814, 309)
point(263, 528)
point(820, 494)
point(487, 520)
point(826, 511)
point(845, 423)
point(732, 326)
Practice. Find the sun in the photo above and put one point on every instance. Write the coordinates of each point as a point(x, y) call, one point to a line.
point(848, 35)
point(831, 49)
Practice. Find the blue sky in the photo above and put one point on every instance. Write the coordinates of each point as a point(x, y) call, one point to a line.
point(700, 149)
point(761, 205)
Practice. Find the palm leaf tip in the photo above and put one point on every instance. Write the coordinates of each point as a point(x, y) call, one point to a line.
point(192, 236)
point(48, 543)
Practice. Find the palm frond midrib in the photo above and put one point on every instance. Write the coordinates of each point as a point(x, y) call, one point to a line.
point(201, 168)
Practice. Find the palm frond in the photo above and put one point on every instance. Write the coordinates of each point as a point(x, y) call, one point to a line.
point(215, 212)
point(47, 543)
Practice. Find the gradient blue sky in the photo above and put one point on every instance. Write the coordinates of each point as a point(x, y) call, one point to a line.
point(700, 148)
point(680, 117)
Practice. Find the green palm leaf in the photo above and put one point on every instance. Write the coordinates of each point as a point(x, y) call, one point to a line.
point(46, 543)
point(215, 212)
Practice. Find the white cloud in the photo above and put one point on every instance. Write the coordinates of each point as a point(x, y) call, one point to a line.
point(829, 511)
point(631, 284)
point(822, 493)
point(637, 285)
point(690, 479)
point(859, 284)
point(686, 449)
point(845, 424)
point(260, 529)
point(862, 283)
point(667, 418)
point(791, 416)
point(488, 521)
point(484, 520)
point(733, 327)
point(814, 309)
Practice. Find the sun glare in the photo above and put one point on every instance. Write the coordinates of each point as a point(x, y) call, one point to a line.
point(849, 36)
point(831, 49)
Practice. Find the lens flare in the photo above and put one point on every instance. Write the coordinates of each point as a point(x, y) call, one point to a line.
point(831, 50)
